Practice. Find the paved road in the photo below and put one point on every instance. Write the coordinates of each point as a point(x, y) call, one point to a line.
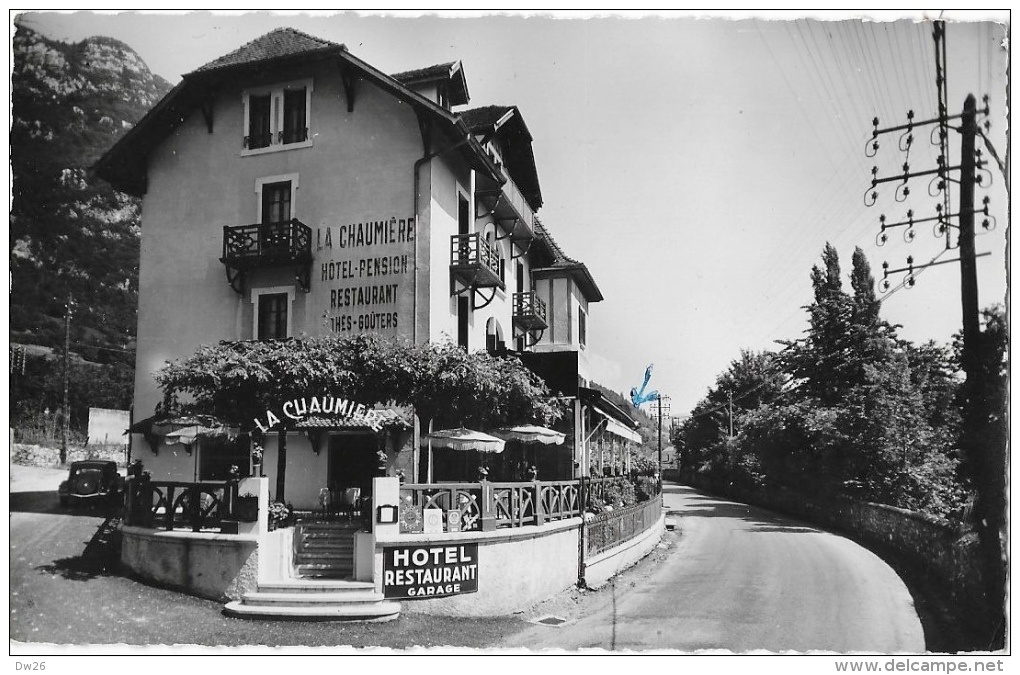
point(745, 579)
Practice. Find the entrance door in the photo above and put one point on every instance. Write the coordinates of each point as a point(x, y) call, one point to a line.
point(353, 461)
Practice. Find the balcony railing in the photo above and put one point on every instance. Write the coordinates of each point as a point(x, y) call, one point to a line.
point(267, 244)
point(510, 207)
point(473, 262)
point(264, 245)
point(529, 311)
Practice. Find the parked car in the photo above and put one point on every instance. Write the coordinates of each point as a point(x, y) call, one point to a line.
point(92, 481)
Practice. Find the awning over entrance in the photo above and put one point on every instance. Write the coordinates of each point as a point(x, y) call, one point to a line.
point(184, 429)
point(618, 429)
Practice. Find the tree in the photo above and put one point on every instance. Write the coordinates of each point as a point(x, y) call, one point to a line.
point(238, 381)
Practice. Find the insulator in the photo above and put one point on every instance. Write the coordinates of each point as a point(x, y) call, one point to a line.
point(881, 239)
point(870, 197)
point(908, 235)
point(883, 286)
point(908, 281)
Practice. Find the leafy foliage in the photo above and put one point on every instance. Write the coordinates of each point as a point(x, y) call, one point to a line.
point(238, 381)
point(849, 408)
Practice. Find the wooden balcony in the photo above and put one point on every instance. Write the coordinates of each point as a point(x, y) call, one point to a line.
point(267, 245)
point(473, 263)
point(529, 312)
point(508, 206)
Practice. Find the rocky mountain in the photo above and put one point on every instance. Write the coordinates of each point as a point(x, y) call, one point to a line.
point(72, 235)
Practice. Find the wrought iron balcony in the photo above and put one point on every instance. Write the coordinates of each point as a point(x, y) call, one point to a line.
point(266, 245)
point(529, 312)
point(473, 263)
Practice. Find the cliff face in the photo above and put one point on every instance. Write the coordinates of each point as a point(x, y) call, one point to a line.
point(72, 235)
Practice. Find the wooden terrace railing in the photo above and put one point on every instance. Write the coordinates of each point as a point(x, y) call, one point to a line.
point(488, 506)
point(173, 505)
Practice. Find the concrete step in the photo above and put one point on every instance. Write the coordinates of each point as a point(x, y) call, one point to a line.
point(319, 572)
point(327, 545)
point(323, 559)
point(261, 597)
point(384, 610)
point(316, 586)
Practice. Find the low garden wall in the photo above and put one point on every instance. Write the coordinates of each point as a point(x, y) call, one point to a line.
point(214, 566)
point(510, 568)
point(210, 564)
point(515, 568)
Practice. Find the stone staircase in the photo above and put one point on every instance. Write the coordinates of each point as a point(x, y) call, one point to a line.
point(315, 600)
point(324, 549)
point(320, 585)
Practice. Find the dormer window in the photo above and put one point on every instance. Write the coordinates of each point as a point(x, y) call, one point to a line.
point(277, 117)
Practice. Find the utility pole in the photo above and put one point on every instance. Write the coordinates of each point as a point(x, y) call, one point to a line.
point(659, 398)
point(66, 411)
point(731, 415)
point(986, 460)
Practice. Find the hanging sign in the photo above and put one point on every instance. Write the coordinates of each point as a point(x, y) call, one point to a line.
point(430, 571)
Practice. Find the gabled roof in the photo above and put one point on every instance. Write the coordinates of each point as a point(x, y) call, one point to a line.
point(450, 73)
point(277, 44)
point(124, 164)
point(559, 264)
point(506, 123)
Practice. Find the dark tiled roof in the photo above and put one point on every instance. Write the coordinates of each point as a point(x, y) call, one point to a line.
point(560, 258)
point(481, 119)
point(563, 264)
point(279, 43)
point(427, 73)
point(381, 418)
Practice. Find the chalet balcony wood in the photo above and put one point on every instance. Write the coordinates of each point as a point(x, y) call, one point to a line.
point(473, 263)
point(267, 245)
point(529, 311)
point(509, 206)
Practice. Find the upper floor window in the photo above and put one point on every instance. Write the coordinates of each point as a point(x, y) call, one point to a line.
point(582, 327)
point(276, 202)
point(277, 117)
point(272, 312)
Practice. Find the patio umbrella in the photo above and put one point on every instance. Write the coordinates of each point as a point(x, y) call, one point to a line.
point(462, 439)
point(465, 439)
point(529, 433)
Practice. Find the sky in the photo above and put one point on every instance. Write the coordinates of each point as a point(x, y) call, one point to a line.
point(696, 165)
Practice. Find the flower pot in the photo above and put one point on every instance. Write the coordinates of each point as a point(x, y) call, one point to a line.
point(246, 509)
